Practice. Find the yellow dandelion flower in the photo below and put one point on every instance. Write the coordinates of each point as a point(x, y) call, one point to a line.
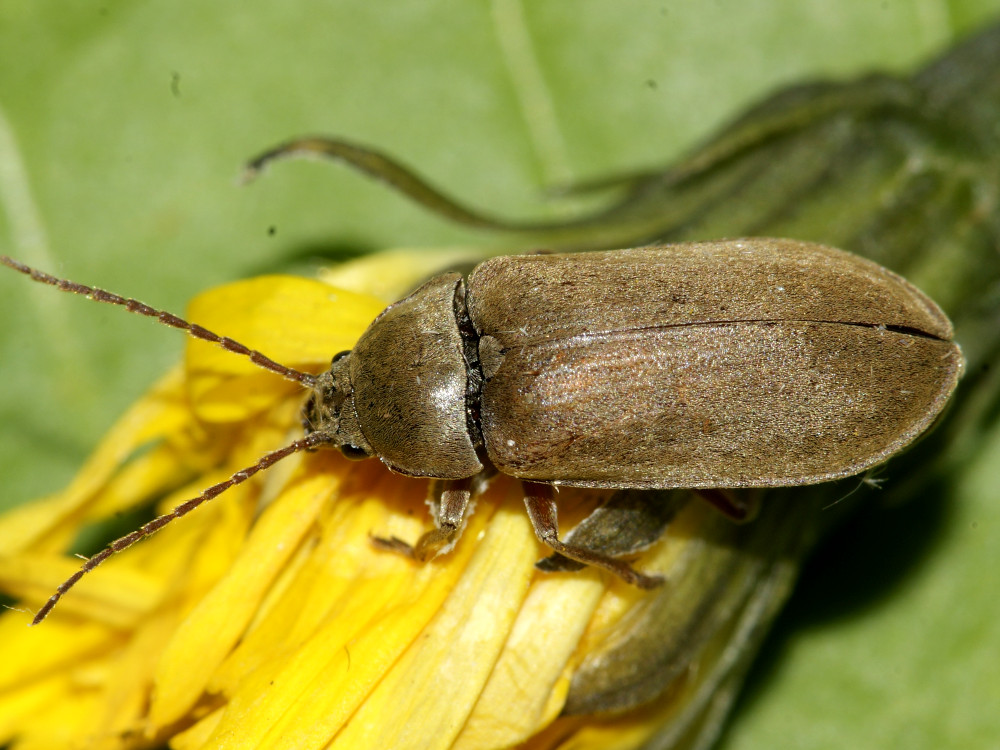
point(268, 619)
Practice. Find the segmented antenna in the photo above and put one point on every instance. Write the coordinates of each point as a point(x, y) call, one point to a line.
point(148, 529)
point(132, 305)
point(309, 441)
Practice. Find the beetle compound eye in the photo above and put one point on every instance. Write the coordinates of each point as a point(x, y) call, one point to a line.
point(354, 452)
point(339, 355)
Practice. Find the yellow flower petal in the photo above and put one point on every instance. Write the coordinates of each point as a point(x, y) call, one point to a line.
point(334, 574)
point(391, 274)
point(532, 668)
point(297, 322)
point(432, 689)
point(22, 705)
point(116, 595)
point(198, 734)
point(211, 630)
point(32, 654)
point(44, 526)
point(303, 698)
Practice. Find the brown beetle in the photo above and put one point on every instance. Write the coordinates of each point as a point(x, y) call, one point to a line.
point(750, 363)
point(745, 363)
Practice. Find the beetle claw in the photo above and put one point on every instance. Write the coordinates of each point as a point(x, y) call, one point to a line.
point(393, 544)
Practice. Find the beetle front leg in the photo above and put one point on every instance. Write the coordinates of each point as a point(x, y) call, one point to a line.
point(450, 502)
point(449, 518)
point(541, 505)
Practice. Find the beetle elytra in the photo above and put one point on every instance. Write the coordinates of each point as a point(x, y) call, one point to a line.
point(744, 363)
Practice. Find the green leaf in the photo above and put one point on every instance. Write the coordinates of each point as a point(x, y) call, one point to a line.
point(123, 128)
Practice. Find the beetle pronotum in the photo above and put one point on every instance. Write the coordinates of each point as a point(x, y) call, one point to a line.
point(745, 363)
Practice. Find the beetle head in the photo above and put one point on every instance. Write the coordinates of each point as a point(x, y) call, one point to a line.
point(330, 411)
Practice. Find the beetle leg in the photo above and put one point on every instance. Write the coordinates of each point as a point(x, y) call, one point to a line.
point(740, 507)
point(449, 517)
point(541, 505)
point(627, 523)
point(449, 503)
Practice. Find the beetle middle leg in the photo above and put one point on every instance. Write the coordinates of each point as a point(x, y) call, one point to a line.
point(541, 505)
point(738, 507)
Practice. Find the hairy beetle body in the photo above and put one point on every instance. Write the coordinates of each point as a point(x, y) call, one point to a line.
point(726, 364)
point(746, 363)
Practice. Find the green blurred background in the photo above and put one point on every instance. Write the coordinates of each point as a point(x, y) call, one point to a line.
point(123, 128)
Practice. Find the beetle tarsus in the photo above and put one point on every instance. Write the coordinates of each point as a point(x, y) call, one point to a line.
point(449, 502)
point(393, 544)
point(434, 542)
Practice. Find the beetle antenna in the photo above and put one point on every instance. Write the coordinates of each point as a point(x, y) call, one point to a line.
point(148, 529)
point(134, 306)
